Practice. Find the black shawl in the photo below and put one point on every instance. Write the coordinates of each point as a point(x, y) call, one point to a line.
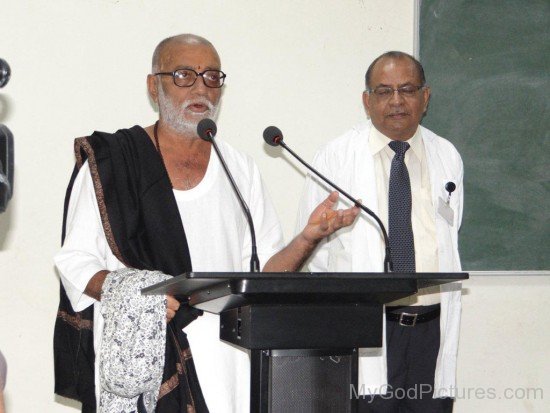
point(144, 231)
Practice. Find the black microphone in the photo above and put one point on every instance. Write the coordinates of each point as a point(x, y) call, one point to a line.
point(6, 166)
point(206, 129)
point(274, 137)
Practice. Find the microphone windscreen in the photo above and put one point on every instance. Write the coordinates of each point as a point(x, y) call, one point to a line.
point(273, 136)
point(207, 129)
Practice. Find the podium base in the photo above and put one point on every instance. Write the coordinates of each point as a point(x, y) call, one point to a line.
point(303, 381)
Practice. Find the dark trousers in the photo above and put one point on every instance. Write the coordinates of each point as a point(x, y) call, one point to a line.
point(412, 355)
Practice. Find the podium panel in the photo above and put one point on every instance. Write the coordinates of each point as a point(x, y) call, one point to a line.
point(302, 329)
point(298, 326)
point(304, 381)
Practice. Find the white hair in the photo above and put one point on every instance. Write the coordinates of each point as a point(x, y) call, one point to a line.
point(174, 116)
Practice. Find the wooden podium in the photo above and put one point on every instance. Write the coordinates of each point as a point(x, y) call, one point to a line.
point(303, 329)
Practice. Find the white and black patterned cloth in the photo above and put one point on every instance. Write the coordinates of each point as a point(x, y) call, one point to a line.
point(133, 341)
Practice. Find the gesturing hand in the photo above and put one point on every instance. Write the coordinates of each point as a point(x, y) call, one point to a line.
point(325, 220)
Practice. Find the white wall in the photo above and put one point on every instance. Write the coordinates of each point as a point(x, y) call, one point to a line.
point(503, 361)
point(80, 65)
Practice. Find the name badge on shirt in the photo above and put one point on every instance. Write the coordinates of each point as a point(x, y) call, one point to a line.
point(445, 210)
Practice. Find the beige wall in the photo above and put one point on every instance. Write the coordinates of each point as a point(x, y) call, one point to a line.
point(80, 65)
point(503, 356)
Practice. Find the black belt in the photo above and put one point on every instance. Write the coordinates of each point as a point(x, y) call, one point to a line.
point(411, 319)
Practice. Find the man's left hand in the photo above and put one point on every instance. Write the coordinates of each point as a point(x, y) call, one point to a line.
point(172, 306)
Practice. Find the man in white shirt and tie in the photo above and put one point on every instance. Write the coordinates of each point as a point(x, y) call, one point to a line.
point(403, 172)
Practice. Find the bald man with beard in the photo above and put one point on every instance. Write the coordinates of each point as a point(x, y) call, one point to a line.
point(156, 198)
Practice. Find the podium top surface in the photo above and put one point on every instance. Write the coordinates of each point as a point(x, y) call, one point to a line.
point(188, 283)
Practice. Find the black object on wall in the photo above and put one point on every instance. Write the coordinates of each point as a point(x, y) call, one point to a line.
point(6, 167)
point(5, 73)
point(6, 148)
point(488, 63)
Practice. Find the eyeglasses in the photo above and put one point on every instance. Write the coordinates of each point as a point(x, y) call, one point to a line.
point(188, 77)
point(386, 92)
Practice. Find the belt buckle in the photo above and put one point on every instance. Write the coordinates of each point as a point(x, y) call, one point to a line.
point(405, 322)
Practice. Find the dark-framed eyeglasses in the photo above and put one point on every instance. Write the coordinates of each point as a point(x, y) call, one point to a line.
point(385, 92)
point(188, 77)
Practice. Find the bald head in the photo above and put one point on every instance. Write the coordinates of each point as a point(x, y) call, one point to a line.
point(395, 55)
point(180, 39)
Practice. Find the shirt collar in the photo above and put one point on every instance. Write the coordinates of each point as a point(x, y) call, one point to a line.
point(379, 141)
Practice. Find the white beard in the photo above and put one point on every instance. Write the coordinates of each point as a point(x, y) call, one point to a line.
point(175, 117)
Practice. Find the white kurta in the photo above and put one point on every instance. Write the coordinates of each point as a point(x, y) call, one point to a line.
point(348, 162)
point(219, 240)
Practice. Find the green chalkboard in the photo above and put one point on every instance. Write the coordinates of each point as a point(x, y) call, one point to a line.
point(488, 64)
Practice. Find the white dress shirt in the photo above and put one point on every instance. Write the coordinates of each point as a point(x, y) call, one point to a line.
point(422, 211)
point(349, 162)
